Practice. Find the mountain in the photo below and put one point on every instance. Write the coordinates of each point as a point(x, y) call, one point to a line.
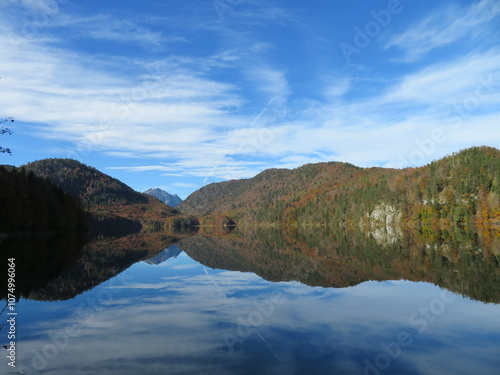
point(111, 204)
point(32, 204)
point(170, 252)
point(459, 189)
point(7, 167)
point(171, 200)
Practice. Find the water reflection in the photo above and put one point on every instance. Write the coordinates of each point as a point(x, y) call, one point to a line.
point(183, 318)
point(171, 314)
point(62, 267)
point(170, 252)
point(463, 261)
point(38, 260)
point(460, 260)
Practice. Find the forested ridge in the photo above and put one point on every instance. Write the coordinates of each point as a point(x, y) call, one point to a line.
point(91, 186)
point(33, 204)
point(462, 188)
point(111, 204)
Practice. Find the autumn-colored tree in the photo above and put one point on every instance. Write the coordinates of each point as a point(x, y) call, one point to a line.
point(463, 188)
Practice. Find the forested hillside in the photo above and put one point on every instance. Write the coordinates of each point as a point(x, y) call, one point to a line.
point(461, 188)
point(90, 185)
point(110, 202)
point(32, 204)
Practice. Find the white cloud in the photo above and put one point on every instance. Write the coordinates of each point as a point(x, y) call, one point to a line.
point(78, 97)
point(270, 81)
point(169, 108)
point(176, 111)
point(448, 25)
point(185, 185)
point(447, 82)
point(338, 87)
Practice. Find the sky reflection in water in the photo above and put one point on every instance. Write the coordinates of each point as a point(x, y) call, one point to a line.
point(181, 317)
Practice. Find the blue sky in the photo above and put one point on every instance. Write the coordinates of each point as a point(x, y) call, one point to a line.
point(178, 94)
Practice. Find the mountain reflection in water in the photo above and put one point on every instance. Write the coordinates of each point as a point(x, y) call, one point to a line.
point(462, 261)
point(138, 304)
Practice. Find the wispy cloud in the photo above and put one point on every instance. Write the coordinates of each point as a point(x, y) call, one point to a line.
point(337, 87)
point(450, 24)
point(184, 184)
point(106, 27)
point(271, 81)
point(448, 82)
point(169, 107)
point(229, 110)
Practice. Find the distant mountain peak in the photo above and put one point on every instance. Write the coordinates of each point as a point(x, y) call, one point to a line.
point(171, 199)
point(170, 252)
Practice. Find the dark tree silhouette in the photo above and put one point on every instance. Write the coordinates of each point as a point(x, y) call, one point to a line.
point(5, 130)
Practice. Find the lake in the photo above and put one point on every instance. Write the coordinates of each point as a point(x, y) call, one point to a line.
point(261, 302)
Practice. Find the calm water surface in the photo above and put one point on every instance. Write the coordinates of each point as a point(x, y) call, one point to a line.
point(174, 315)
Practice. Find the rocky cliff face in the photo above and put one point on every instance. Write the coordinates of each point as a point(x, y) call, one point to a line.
point(384, 224)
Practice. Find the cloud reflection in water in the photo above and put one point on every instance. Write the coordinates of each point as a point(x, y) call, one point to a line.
point(183, 318)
